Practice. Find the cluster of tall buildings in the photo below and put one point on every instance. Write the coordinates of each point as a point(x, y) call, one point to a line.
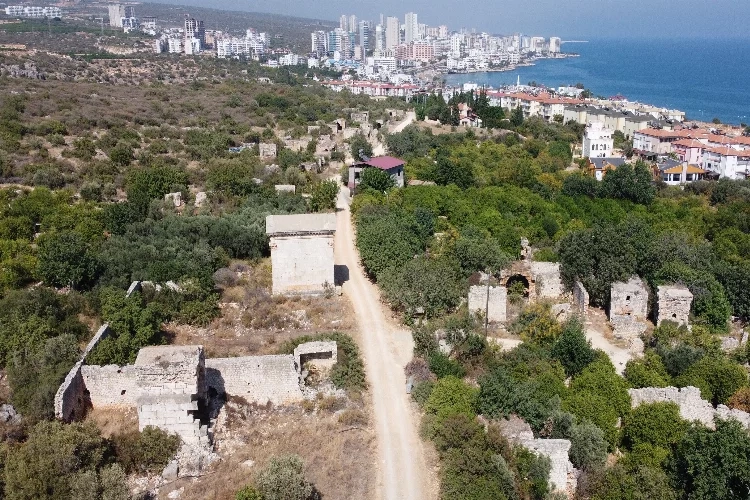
point(191, 39)
point(411, 43)
point(356, 39)
point(122, 16)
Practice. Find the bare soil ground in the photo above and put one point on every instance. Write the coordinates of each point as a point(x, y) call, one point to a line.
point(405, 471)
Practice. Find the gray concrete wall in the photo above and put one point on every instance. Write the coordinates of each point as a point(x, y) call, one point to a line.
point(498, 301)
point(258, 379)
point(301, 264)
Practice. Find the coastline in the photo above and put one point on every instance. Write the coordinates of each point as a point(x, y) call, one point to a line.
point(512, 67)
point(628, 67)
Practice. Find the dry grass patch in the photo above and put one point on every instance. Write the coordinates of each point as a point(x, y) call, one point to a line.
point(339, 456)
point(112, 421)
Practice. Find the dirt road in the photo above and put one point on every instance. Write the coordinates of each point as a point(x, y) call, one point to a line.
point(378, 148)
point(402, 473)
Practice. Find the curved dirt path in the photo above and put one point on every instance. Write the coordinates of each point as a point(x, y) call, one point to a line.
point(402, 470)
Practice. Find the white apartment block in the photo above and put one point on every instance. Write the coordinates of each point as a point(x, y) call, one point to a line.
point(33, 11)
point(597, 141)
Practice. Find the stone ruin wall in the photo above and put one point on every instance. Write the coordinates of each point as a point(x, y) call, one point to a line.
point(498, 302)
point(110, 385)
point(581, 299)
point(267, 150)
point(557, 451)
point(547, 280)
point(70, 400)
point(562, 476)
point(628, 309)
point(302, 264)
point(673, 304)
point(258, 379)
point(692, 406)
point(324, 354)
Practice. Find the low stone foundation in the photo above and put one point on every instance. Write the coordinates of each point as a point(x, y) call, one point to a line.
point(692, 406)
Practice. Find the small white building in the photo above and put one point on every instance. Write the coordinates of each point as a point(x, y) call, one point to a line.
point(597, 141)
point(301, 252)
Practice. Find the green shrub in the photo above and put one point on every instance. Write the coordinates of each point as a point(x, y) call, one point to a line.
point(421, 392)
point(145, 452)
point(451, 396)
point(284, 479)
point(657, 424)
point(572, 348)
point(443, 366)
point(248, 493)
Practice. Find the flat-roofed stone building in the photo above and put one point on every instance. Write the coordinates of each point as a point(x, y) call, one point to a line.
point(301, 252)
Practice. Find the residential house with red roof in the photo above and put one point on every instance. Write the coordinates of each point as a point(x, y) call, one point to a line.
point(392, 166)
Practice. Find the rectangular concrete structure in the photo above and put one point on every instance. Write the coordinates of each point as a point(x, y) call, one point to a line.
point(301, 252)
point(498, 300)
point(673, 304)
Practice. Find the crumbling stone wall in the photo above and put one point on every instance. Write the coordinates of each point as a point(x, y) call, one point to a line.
point(562, 476)
point(267, 150)
point(172, 382)
point(110, 385)
point(692, 406)
point(581, 299)
point(70, 398)
point(323, 354)
point(258, 379)
point(557, 451)
point(673, 304)
point(548, 282)
point(498, 301)
point(629, 307)
point(361, 117)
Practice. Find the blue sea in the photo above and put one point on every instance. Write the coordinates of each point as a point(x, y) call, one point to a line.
point(705, 78)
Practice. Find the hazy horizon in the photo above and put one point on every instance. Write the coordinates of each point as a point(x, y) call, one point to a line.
point(578, 18)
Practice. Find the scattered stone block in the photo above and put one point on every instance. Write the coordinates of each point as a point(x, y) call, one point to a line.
point(175, 198)
point(171, 471)
point(285, 188)
point(200, 198)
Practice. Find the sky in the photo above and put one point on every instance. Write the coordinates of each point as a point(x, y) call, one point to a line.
point(566, 18)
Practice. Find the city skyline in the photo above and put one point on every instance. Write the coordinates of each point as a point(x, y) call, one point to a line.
point(580, 18)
